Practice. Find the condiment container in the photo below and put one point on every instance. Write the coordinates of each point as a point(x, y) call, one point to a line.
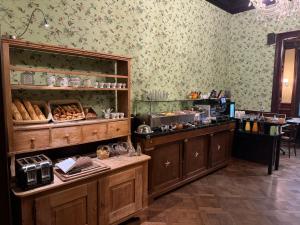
point(27, 78)
point(87, 83)
point(255, 127)
point(51, 80)
point(74, 82)
point(62, 82)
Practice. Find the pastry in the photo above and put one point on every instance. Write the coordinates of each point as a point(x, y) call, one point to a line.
point(67, 112)
point(22, 110)
point(15, 112)
point(30, 110)
point(38, 112)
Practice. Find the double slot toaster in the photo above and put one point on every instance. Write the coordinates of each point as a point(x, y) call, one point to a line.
point(34, 171)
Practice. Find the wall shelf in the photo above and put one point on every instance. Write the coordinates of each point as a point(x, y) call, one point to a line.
point(65, 72)
point(49, 88)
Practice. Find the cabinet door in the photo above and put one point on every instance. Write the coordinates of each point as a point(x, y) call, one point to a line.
point(165, 165)
point(195, 155)
point(221, 143)
point(120, 195)
point(74, 206)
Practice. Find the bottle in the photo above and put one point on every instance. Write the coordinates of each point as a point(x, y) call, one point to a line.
point(138, 149)
point(255, 127)
point(248, 126)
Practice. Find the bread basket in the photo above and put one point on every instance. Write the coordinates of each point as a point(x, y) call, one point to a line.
point(60, 103)
point(44, 108)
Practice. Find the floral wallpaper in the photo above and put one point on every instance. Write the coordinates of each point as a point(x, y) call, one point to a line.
point(251, 60)
point(176, 45)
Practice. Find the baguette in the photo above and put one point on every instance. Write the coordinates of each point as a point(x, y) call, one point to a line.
point(38, 112)
point(22, 109)
point(30, 110)
point(15, 112)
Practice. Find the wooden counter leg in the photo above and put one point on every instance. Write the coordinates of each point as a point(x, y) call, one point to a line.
point(277, 153)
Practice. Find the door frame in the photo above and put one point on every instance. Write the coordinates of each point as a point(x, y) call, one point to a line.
point(278, 64)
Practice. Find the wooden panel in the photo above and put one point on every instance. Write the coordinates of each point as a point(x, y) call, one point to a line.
point(165, 165)
point(121, 195)
point(220, 147)
point(195, 154)
point(94, 132)
point(74, 206)
point(118, 129)
point(65, 136)
point(26, 140)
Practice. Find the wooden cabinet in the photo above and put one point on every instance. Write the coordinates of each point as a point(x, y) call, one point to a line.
point(196, 155)
point(74, 206)
point(220, 147)
point(165, 165)
point(120, 195)
point(181, 157)
point(35, 139)
point(104, 199)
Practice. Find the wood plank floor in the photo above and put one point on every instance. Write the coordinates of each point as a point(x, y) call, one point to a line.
point(240, 194)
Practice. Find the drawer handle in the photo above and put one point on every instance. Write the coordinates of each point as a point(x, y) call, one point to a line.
point(219, 147)
point(196, 154)
point(186, 140)
point(32, 142)
point(95, 132)
point(67, 136)
point(118, 129)
point(167, 164)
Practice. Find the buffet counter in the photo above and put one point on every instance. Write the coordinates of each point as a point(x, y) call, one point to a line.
point(181, 156)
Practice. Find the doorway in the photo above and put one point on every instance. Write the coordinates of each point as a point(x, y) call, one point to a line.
point(286, 81)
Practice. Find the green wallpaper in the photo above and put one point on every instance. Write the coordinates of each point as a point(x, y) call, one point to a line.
point(176, 45)
point(251, 61)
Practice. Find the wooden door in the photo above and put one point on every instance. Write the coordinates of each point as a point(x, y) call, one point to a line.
point(195, 155)
point(74, 206)
point(220, 147)
point(120, 195)
point(165, 165)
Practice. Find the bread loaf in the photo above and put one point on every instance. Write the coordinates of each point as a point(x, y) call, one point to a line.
point(15, 112)
point(38, 112)
point(30, 110)
point(22, 110)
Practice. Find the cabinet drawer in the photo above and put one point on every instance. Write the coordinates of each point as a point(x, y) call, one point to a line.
point(94, 132)
point(117, 129)
point(65, 136)
point(35, 139)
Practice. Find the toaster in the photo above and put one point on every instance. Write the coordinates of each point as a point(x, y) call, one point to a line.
point(34, 171)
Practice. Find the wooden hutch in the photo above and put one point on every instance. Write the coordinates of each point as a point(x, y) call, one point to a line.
point(106, 198)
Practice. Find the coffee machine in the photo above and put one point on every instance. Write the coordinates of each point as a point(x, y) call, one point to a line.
point(216, 109)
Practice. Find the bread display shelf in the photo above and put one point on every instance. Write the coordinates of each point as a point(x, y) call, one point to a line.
point(50, 88)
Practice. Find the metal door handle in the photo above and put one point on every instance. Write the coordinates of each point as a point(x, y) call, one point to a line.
point(219, 147)
point(167, 164)
point(196, 154)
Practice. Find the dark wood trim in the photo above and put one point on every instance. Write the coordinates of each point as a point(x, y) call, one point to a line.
point(279, 52)
point(5, 212)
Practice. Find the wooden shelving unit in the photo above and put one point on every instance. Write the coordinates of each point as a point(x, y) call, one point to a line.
point(31, 138)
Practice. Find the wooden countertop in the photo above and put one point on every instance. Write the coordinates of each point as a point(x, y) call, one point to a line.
point(114, 163)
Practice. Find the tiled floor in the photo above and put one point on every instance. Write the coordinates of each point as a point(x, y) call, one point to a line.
point(240, 194)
